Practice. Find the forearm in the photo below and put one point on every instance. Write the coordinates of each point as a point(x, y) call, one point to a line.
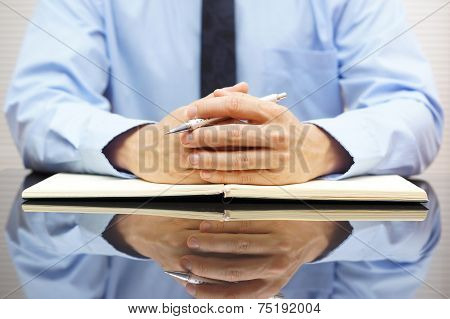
point(400, 136)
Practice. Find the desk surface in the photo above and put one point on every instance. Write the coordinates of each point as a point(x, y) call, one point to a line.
point(15, 255)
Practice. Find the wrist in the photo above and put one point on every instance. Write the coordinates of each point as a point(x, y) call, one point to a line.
point(117, 235)
point(335, 158)
point(123, 151)
point(331, 235)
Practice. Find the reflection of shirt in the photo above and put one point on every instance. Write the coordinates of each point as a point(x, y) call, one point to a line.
point(93, 69)
point(58, 256)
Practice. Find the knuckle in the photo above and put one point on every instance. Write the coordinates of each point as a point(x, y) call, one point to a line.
point(242, 246)
point(234, 105)
point(172, 241)
point(277, 109)
point(282, 139)
point(284, 245)
point(240, 160)
point(205, 136)
point(278, 138)
point(219, 177)
point(279, 265)
point(220, 227)
point(283, 157)
point(244, 158)
point(233, 134)
point(245, 226)
point(201, 269)
point(233, 275)
point(206, 161)
point(246, 179)
point(200, 106)
point(235, 161)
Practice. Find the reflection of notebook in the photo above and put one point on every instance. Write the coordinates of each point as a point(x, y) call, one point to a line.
point(365, 188)
point(238, 209)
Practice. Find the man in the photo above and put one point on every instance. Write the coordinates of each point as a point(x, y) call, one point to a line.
point(94, 74)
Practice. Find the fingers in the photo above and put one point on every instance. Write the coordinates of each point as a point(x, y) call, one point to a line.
point(241, 87)
point(237, 160)
point(248, 177)
point(238, 244)
point(228, 269)
point(226, 135)
point(244, 135)
point(237, 106)
point(238, 227)
point(255, 289)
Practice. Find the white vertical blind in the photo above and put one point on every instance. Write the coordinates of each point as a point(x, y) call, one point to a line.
point(12, 28)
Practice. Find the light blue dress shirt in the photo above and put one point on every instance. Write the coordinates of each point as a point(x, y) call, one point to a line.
point(92, 69)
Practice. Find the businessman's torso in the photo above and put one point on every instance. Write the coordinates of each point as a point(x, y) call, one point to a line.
point(154, 47)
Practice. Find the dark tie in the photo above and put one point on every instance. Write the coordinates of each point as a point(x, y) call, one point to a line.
point(218, 61)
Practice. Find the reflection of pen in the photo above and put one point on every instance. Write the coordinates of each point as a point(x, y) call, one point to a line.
point(197, 280)
point(197, 123)
point(193, 279)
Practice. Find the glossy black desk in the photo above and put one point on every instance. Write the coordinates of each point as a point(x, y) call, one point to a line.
point(28, 235)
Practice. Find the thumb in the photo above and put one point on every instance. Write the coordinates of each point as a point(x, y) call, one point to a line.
point(241, 87)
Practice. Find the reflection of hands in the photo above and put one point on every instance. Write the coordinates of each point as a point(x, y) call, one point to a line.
point(260, 256)
point(273, 148)
point(159, 238)
point(149, 154)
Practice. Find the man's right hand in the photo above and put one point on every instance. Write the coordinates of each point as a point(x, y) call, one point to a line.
point(148, 153)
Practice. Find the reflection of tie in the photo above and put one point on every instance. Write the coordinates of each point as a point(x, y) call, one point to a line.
point(218, 60)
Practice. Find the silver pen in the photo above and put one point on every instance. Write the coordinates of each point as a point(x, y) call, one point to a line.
point(197, 280)
point(197, 123)
point(193, 279)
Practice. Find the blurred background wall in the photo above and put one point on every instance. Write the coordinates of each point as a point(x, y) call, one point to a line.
point(433, 33)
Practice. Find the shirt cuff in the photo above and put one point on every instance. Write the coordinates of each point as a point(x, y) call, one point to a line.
point(100, 131)
point(355, 139)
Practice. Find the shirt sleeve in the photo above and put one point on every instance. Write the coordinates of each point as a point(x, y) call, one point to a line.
point(56, 110)
point(393, 121)
point(398, 242)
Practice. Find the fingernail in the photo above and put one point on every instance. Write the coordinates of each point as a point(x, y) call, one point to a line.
point(190, 288)
point(194, 159)
point(193, 243)
point(205, 226)
point(192, 111)
point(187, 138)
point(186, 264)
point(205, 174)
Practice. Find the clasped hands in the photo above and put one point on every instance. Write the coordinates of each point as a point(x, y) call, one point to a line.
point(256, 259)
point(263, 143)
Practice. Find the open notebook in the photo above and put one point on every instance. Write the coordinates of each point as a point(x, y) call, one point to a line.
point(365, 188)
point(201, 208)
